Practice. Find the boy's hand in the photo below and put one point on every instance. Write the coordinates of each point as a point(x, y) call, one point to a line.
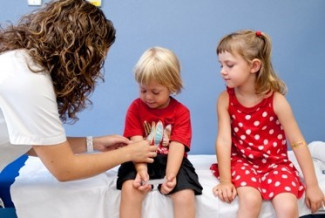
point(141, 181)
point(168, 185)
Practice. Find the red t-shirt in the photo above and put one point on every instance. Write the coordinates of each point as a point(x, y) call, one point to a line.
point(175, 120)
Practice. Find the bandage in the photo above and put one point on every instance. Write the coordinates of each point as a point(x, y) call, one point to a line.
point(298, 144)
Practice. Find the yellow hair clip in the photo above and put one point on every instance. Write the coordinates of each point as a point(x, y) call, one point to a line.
point(97, 3)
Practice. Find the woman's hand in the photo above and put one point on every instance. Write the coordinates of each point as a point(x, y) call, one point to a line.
point(110, 142)
point(140, 152)
point(315, 198)
point(226, 191)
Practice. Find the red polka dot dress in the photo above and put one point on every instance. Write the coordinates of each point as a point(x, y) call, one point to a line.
point(259, 156)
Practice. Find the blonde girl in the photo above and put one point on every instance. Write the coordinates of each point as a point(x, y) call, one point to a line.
point(255, 123)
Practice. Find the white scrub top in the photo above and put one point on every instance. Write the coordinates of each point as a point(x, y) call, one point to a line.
point(28, 108)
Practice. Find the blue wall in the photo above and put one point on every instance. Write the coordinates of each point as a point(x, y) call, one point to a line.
point(192, 29)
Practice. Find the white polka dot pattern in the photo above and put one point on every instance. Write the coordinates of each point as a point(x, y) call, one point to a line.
point(259, 152)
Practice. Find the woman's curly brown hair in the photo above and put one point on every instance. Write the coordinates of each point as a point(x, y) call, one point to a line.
point(69, 39)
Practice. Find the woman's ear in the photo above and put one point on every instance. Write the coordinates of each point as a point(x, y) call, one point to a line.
point(255, 65)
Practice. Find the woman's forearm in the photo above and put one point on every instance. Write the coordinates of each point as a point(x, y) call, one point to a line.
point(78, 144)
point(65, 165)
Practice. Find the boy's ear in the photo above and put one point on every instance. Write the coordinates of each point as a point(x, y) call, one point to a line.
point(255, 65)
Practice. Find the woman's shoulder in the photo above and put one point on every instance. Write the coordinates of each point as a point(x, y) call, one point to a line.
point(18, 58)
point(16, 71)
point(12, 56)
point(15, 53)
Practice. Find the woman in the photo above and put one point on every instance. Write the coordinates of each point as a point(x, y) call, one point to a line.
point(49, 65)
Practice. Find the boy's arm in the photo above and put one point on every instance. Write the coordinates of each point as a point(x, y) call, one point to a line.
point(174, 161)
point(175, 158)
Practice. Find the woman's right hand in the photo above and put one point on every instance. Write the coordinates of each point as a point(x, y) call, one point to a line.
point(141, 151)
point(226, 191)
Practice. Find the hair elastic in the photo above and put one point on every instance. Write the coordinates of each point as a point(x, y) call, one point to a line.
point(258, 33)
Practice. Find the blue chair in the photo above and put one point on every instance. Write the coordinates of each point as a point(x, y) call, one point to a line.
point(8, 213)
point(7, 177)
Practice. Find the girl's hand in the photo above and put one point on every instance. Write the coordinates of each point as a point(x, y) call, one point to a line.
point(226, 191)
point(141, 181)
point(110, 142)
point(315, 198)
point(168, 185)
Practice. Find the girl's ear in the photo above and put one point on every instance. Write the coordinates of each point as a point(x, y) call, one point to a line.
point(255, 65)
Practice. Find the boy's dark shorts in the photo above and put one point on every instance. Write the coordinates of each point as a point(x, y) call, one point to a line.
point(186, 177)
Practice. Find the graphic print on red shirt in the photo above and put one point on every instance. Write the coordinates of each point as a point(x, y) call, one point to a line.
point(159, 126)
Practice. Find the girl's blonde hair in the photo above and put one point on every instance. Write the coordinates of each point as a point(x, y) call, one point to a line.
point(254, 45)
point(69, 39)
point(160, 65)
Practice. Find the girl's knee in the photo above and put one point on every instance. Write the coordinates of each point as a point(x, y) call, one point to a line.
point(287, 210)
point(251, 199)
point(250, 202)
point(285, 205)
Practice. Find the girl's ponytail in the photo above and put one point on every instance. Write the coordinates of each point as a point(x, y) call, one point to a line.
point(267, 80)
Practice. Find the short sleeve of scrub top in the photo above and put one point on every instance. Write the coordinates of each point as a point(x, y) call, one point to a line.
point(28, 108)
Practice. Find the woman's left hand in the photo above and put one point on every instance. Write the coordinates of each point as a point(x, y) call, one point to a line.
point(110, 142)
point(315, 198)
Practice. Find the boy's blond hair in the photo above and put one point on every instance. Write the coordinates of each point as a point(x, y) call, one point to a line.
point(160, 65)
